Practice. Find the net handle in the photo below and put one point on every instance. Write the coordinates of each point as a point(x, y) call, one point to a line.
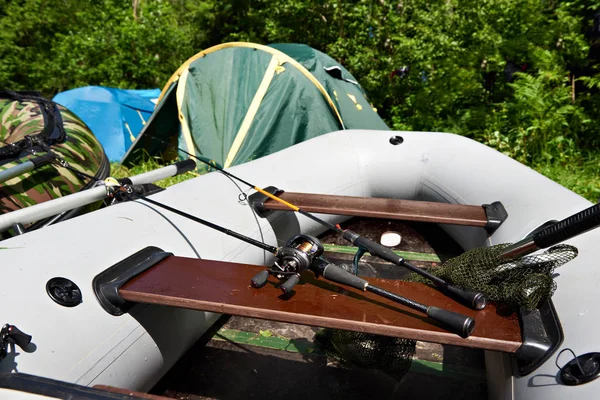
point(568, 228)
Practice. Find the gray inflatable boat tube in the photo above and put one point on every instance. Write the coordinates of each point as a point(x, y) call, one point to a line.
point(86, 345)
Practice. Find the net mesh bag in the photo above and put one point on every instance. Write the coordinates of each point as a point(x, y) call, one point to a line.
point(512, 283)
point(393, 356)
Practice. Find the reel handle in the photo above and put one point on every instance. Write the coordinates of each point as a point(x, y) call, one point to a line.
point(289, 284)
point(259, 280)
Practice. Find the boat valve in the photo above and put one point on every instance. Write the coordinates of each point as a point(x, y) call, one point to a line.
point(295, 256)
point(10, 334)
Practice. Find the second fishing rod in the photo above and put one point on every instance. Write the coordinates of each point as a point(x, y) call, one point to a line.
point(474, 300)
point(303, 252)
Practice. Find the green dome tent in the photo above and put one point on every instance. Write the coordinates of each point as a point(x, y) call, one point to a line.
point(236, 102)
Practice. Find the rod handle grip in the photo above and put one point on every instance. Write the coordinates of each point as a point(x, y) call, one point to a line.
point(374, 248)
point(385, 253)
point(569, 227)
point(458, 323)
point(475, 300)
point(336, 274)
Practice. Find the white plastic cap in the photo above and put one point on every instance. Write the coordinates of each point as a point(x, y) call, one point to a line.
point(390, 239)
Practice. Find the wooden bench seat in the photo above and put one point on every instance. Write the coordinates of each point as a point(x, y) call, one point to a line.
point(406, 210)
point(224, 287)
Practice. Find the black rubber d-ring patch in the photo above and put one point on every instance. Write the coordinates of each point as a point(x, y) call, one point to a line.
point(582, 369)
point(396, 140)
point(64, 292)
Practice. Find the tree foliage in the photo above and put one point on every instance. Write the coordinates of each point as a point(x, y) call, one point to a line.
point(55, 45)
point(522, 76)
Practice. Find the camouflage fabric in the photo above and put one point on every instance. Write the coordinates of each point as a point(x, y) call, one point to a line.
point(81, 150)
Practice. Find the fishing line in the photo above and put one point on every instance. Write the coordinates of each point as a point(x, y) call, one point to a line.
point(298, 254)
point(303, 252)
point(243, 197)
point(474, 300)
point(269, 195)
point(247, 239)
point(59, 161)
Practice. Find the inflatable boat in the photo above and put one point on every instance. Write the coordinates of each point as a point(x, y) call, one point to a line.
point(84, 344)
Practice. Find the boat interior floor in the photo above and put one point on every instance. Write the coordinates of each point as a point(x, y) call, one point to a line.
point(251, 358)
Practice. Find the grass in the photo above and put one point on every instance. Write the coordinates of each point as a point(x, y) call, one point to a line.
point(119, 171)
point(582, 178)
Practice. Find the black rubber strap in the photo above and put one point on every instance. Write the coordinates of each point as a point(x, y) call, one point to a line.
point(42, 160)
point(53, 131)
point(11, 94)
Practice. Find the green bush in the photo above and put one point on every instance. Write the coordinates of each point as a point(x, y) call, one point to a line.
point(521, 76)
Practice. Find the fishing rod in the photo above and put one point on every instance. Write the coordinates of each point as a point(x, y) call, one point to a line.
point(303, 252)
point(297, 255)
point(62, 204)
point(474, 300)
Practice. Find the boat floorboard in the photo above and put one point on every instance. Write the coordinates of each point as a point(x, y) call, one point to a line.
point(252, 358)
point(241, 361)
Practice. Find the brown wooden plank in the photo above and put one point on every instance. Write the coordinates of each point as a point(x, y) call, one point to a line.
point(407, 210)
point(131, 393)
point(225, 288)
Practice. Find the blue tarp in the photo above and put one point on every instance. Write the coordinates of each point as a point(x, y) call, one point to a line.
point(115, 116)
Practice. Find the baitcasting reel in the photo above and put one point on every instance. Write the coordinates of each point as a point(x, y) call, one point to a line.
point(304, 252)
point(295, 256)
